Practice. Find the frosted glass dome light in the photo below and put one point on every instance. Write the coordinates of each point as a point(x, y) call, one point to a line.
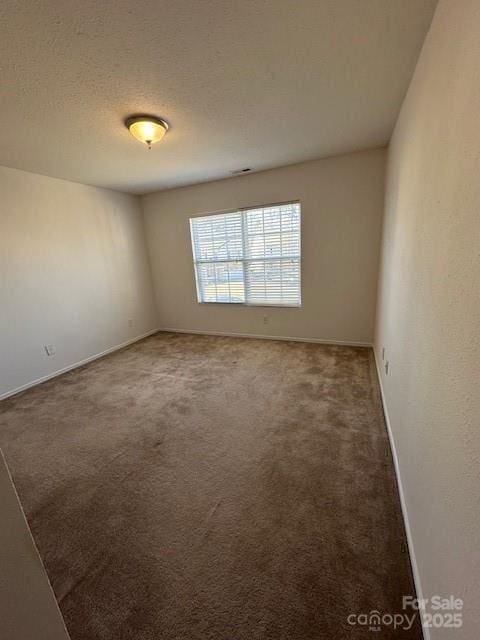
point(147, 129)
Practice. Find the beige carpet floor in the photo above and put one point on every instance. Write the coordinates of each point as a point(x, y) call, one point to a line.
point(211, 488)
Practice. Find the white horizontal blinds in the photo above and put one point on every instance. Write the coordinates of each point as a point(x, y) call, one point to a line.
point(250, 256)
point(218, 252)
point(272, 260)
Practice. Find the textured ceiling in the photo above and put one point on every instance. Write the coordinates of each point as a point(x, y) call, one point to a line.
point(243, 83)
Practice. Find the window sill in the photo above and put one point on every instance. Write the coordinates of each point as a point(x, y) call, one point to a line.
point(253, 306)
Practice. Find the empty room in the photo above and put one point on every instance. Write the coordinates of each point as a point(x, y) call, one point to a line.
point(240, 320)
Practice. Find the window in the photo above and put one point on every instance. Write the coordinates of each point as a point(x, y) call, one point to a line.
point(250, 256)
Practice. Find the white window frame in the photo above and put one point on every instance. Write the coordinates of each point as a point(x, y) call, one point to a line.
point(243, 260)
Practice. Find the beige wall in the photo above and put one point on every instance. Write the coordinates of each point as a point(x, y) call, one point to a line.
point(73, 273)
point(342, 201)
point(28, 609)
point(429, 308)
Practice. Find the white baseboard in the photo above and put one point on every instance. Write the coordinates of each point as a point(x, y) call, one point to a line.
point(28, 562)
point(346, 343)
point(406, 521)
point(59, 372)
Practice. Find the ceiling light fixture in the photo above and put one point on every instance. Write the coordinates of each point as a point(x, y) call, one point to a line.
point(147, 129)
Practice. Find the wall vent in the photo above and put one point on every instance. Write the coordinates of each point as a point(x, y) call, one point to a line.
point(237, 171)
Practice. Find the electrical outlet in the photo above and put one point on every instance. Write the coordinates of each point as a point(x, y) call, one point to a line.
point(383, 353)
point(386, 368)
point(50, 349)
point(131, 322)
point(265, 319)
